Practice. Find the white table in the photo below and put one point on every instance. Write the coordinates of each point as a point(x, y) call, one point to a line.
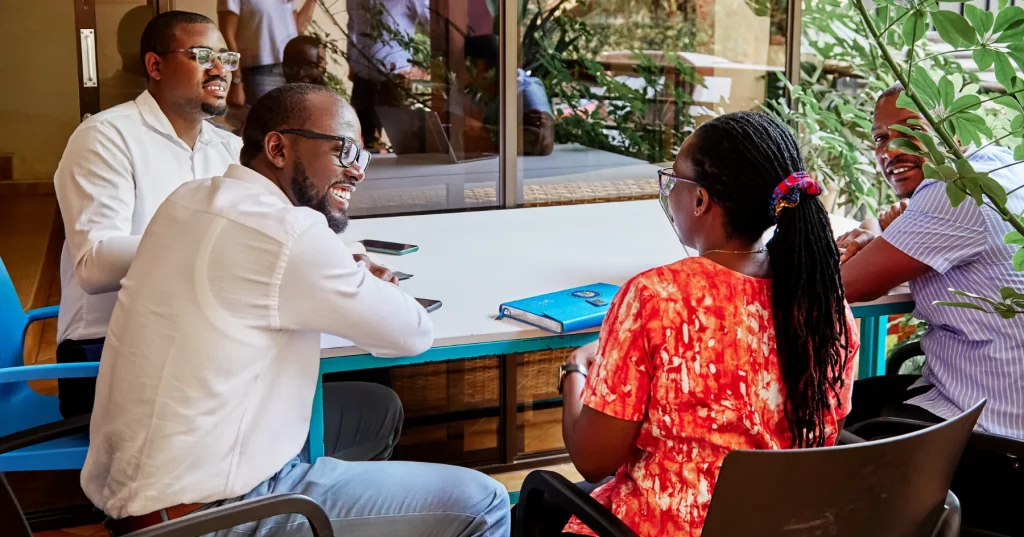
point(407, 172)
point(473, 261)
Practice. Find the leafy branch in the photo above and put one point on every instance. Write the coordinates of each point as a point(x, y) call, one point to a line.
point(951, 112)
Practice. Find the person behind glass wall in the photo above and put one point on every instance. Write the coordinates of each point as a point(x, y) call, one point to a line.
point(476, 99)
point(379, 68)
point(259, 30)
point(305, 61)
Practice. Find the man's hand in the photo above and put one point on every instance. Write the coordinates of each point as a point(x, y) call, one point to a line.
point(379, 271)
point(585, 356)
point(236, 96)
point(853, 242)
point(891, 214)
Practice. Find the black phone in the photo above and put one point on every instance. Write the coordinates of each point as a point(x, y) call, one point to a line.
point(385, 247)
point(428, 304)
point(401, 275)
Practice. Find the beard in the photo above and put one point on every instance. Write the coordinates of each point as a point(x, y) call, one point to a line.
point(304, 196)
point(214, 110)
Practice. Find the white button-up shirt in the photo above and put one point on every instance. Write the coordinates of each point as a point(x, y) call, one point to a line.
point(210, 365)
point(118, 167)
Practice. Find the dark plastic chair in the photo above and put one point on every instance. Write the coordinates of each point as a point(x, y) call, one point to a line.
point(896, 487)
point(13, 523)
point(990, 477)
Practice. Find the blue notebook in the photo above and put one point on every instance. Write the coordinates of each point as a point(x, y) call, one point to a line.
point(563, 311)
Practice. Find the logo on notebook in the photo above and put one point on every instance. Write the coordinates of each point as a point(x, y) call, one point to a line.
point(585, 294)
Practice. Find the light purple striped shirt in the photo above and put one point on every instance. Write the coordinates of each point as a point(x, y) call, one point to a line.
point(970, 354)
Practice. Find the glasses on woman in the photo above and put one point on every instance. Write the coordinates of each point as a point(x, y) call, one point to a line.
point(350, 155)
point(666, 181)
point(206, 57)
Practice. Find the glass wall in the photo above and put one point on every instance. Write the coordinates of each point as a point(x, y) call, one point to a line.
point(608, 90)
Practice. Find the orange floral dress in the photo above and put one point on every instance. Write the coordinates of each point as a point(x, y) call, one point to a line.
point(689, 350)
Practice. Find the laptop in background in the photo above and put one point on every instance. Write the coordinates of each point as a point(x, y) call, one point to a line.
point(419, 133)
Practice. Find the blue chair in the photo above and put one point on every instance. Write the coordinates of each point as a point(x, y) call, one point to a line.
point(22, 410)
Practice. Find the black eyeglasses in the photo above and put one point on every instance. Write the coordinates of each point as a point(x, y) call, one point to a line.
point(206, 57)
point(350, 154)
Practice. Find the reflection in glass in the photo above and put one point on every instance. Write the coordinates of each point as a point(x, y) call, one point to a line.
point(410, 65)
point(628, 81)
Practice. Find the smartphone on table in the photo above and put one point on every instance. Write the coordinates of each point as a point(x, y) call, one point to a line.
point(385, 247)
point(429, 304)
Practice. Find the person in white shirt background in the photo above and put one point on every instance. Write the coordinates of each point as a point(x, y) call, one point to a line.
point(211, 363)
point(259, 30)
point(120, 165)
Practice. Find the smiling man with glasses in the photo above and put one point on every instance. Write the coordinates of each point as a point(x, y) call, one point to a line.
point(207, 381)
point(120, 165)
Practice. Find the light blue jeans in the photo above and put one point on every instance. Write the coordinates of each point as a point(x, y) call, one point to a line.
point(378, 497)
point(385, 498)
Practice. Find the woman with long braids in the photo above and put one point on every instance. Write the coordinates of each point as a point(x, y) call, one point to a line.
point(746, 346)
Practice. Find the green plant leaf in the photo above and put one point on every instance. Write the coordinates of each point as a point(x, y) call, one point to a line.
point(984, 58)
point(1004, 70)
point(1018, 152)
point(1014, 237)
point(1007, 17)
point(955, 193)
point(973, 185)
point(995, 191)
point(966, 103)
point(980, 19)
point(923, 85)
point(946, 92)
point(954, 29)
point(931, 171)
point(926, 139)
point(1002, 4)
point(1017, 123)
point(1009, 293)
point(915, 26)
point(948, 172)
point(904, 101)
point(967, 305)
point(974, 296)
point(906, 146)
point(1018, 260)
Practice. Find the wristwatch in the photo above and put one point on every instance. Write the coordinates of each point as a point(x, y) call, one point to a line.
point(565, 369)
point(236, 80)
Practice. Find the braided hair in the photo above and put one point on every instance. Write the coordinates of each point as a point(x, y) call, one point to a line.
point(739, 159)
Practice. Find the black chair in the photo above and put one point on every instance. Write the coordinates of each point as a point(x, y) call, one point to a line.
point(896, 487)
point(989, 480)
point(13, 523)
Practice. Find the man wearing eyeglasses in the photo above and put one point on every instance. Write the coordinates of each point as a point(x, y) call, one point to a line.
point(208, 377)
point(120, 165)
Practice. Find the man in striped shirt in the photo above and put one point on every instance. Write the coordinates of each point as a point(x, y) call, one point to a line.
point(924, 240)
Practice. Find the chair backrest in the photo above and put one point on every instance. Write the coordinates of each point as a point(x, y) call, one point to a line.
point(887, 488)
point(12, 322)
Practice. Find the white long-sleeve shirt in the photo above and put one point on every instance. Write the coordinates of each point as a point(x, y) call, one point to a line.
point(210, 365)
point(117, 168)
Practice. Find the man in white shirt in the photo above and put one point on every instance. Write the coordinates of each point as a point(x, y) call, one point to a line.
point(121, 164)
point(211, 362)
